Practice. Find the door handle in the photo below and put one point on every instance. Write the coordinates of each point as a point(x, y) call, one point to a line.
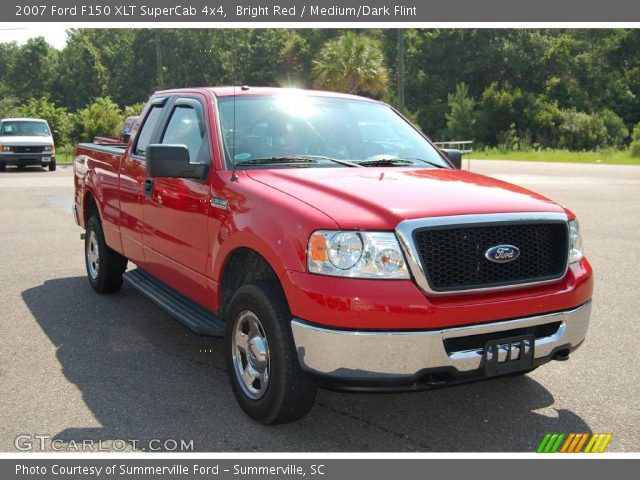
point(147, 186)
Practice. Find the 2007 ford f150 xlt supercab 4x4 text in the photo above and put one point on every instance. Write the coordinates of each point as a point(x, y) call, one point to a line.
point(331, 244)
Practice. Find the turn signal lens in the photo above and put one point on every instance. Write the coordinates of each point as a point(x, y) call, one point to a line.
point(318, 248)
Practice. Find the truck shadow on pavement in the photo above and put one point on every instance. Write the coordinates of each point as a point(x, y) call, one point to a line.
point(146, 377)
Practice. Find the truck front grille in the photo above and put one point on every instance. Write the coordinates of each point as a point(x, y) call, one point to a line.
point(28, 149)
point(453, 256)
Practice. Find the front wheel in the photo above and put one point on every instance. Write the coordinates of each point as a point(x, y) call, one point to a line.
point(262, 363)
point(104, 265)
point(52, 166)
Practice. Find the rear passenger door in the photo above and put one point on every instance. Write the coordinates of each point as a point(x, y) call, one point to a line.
point(176, 236)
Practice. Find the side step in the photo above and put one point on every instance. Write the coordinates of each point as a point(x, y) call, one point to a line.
point(192, 315)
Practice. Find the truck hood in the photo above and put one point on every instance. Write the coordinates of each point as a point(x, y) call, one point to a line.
point(11, 140)
point(380, 198)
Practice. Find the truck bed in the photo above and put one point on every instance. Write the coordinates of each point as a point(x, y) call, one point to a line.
point(111, 148)
point(96, 170)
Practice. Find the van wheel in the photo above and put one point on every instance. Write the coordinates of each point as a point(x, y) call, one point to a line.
point(104, 265)
point(52, 166)
point(262, 363)
point(3, 166)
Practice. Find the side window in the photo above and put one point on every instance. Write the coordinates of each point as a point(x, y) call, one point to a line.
point(147, 130)
point(186, 127)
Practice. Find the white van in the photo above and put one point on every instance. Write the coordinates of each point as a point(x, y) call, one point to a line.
point(25, 142)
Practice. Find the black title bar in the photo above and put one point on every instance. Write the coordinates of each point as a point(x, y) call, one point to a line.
point(314, 11)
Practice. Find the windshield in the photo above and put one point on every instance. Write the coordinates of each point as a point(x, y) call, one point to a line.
point(25, 128)
point(315, 131)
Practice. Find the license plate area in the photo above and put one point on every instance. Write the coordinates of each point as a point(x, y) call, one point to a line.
point(508, 355)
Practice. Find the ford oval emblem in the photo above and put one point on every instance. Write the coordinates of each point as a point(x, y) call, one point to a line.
point(502, 253)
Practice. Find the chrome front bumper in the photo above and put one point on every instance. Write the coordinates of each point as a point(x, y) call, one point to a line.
point(375, 355)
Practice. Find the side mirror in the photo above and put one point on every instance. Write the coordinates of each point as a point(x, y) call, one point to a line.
point(125, 137)
point(172, 161)
point(455, 156)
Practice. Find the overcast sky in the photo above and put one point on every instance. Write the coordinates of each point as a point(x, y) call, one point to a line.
point(53, 33)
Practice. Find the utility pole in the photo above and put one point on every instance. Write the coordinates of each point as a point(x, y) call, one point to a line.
point(400, 69)
point(159, 67)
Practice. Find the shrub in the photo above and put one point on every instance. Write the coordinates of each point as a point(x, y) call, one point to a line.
point(133, 110)
point(546, 123)
point(581, 131)
point(635, 143)
point(503, 107)
point(101, 118)
point(617, 131)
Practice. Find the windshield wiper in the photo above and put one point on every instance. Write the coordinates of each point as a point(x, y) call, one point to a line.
point(293, 159)
point(397, 162)
point(276, 160)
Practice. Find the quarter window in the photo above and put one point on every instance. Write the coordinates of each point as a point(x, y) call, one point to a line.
point(147, 130)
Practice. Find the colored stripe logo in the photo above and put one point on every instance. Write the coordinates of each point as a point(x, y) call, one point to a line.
point(574, 443)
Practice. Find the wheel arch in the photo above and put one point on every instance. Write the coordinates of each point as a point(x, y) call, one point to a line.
point(90, 205)
point(243, 265)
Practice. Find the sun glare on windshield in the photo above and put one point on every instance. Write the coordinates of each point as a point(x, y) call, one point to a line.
point(295, 104)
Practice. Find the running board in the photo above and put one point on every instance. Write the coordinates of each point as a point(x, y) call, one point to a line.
point(193, 316)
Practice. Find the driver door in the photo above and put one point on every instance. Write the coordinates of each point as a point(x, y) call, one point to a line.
point(176, 237)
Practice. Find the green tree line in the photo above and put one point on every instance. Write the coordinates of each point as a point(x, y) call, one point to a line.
point(577, 89)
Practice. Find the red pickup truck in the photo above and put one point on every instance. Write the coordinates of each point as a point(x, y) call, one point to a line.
point(331, 244)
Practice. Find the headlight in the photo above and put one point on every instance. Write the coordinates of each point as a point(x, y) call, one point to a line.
point(5, 148)
point(50, 148)
point(575, 242)
point(356, 254)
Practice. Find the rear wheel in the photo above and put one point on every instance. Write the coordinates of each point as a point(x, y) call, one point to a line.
point(104, 265)
point(262, 363)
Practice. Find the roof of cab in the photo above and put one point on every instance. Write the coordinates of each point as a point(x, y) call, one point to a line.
point(228, 91)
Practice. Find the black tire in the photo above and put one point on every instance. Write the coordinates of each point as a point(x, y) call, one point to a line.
point(3, 166)
point(289, 393)
point(52, 166)
point(106, 269)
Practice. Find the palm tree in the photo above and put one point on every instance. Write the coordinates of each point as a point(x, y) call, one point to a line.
point(353, 63)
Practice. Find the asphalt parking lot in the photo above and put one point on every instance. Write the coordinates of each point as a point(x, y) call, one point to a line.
point(78, 366)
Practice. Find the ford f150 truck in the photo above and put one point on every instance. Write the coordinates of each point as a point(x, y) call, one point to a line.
point(331, 244)
point(25, 142)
